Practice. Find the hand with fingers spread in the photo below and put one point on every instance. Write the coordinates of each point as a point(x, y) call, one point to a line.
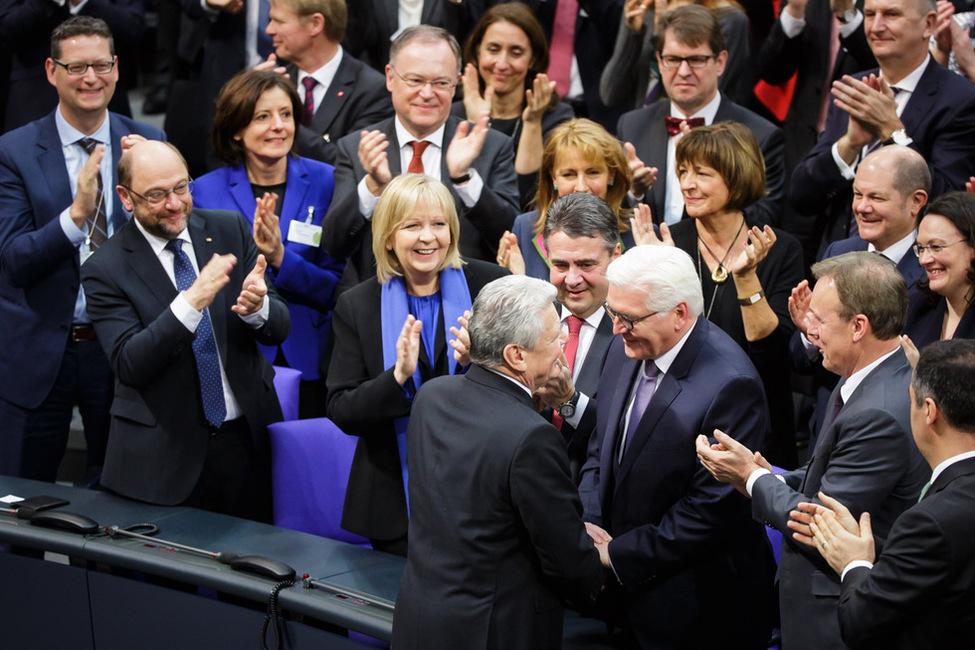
point(461, 343)
point(799, 306)
point(634, 12)
point(537, 99)
point(643, 231)
point(466, 146)
point(760, 242)
point(838, 536)
point(407, 350)
point(943, 32)
point(474, 102)
point(373, 157)
point(871, 107)
point(267, 229)
point(253, 290)
point(643, 177)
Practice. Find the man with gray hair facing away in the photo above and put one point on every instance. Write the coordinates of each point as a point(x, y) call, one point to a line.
point(691, 570)
point(496, 532)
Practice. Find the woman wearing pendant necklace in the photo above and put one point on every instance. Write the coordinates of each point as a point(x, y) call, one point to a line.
point(747, 272)
point(507, 56)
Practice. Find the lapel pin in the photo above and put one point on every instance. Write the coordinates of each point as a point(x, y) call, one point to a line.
point(209, 240)
point(340, 93)
point(326, 137)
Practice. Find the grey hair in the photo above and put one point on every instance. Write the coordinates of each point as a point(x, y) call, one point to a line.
point(425, 34)
point(581, 214)
point(665, 273)
point(507, 311)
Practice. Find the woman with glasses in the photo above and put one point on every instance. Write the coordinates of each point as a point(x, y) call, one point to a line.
point(507, 56)
point(747, 273)
point(941, 302)
point(285, 198)
point(393, 333)
point(579, 156)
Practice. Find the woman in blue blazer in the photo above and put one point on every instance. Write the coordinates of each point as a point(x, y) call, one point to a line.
point(285, 199)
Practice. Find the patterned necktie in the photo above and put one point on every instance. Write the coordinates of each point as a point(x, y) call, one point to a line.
point(673, 123)
point(416, 163)
point(309, 83)
point(204, 345)
point(97, 222)
point(646, 386)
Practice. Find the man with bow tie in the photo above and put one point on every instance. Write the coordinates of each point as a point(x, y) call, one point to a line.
point(691, 57)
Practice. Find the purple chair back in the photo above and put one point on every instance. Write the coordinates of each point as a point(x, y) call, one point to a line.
point(310, 462)
point(286, 383)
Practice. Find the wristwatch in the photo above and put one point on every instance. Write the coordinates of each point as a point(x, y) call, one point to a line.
point(568, 409)
point(847, 16)
point(899, 137)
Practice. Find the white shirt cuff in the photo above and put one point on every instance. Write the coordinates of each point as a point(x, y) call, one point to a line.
point(257, 319)
point(185, 314)
point(367, 202)
point(470, 192)
point(850, 27)
point(74, 234)
point(848, 172)
point(754, 476)
point(811, 350)
point(791, 26)
point(581, 405)
point(854, 564)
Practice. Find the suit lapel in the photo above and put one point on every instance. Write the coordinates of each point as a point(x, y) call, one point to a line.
point(142, 261)
point(592, 365)
point(393, 153)
point(915, 112)
point(50, 158)
point(955, 470)
point(241, 192)
point(626, 370)
point(336, 96)
point(657, 157)
point(294, 206)
point(116, 131)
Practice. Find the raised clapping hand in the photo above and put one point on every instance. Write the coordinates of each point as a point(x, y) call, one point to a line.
point(634, 12)
point(799, 306)
point(374, 160)
point(537, 98)
point(728, 460)
point(462, 343)
point(213, 277)
point(871, 107)
point(760, 242)
point(86, 198)
point(509, 254)
point(272, 64)
point(474, 102)
point(832, 529)
point(227, 6)
point(267, 230)
point(910, 350)
point(253, 290)
point(643, 177)
point(466, 145)
point(642, 226)
point(407, 350)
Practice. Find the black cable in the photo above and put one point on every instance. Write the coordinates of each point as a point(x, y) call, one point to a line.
point(273, 615)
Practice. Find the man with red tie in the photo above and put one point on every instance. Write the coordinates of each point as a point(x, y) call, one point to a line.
point(582, 237)
point(691, 57)
point(474, 162)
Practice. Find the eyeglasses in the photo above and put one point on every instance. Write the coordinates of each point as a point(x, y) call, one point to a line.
point(934, 249)
point(158, 197)
point(696, 62)
point(77, 68)
point(628, 322)
point(414, 82)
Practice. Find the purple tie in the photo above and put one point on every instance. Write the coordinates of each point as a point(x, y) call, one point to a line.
point(645, 387)
point(309, 83)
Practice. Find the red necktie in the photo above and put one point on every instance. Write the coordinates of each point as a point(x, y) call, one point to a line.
point(416, 163)
point(309, 83)
point(673, 123)
point(563, 45)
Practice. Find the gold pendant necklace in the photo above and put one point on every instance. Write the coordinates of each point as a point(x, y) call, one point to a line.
point(720, 274)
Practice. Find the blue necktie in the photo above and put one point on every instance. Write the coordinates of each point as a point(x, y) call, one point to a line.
point(204, 345)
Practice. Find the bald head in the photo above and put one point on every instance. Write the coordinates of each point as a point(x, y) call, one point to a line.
point(153, 185)
point(889, 191)
point(142, 156)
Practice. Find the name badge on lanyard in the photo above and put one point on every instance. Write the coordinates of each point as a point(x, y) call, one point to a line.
point(305, 232)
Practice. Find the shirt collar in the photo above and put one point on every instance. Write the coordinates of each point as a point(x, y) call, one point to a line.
point(948, 462)
point(158, 243)
point(325, 74)
point(708, 111)
point(896, 251)
point(593, 319)
point(854, 380)
point(404, 137)
point(665, 360)
point(509, 378)
point(909, 83)
point(70, 135)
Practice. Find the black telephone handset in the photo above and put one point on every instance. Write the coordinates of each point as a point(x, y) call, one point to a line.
point(263, 566)
point(67, 521)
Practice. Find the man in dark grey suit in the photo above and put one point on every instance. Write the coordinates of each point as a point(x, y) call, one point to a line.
point(919, 592)
point(865, 455)
point(496, 532)
point(193, 393)
point(475, 162)
point(582, 237)
point(692, 57)
point(342, 95)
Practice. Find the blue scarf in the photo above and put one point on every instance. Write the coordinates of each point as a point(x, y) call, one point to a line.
point(455, 299)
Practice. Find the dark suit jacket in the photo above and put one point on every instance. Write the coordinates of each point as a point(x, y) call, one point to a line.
point(925, 319)
point(158, 438)
point(364, 400)
point(39, 276)
point(909, 266)
point(349, 234)
point(866, 458)
point(356, 99)
point(308, 275)
point(645, 129)
point(496, 534)
point(919, 592)
point(939, 117)
point(25, 30)
point(807, 57)
point(682, 541)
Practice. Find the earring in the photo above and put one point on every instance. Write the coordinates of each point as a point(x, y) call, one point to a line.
point(555, 187)
point(611, 183)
